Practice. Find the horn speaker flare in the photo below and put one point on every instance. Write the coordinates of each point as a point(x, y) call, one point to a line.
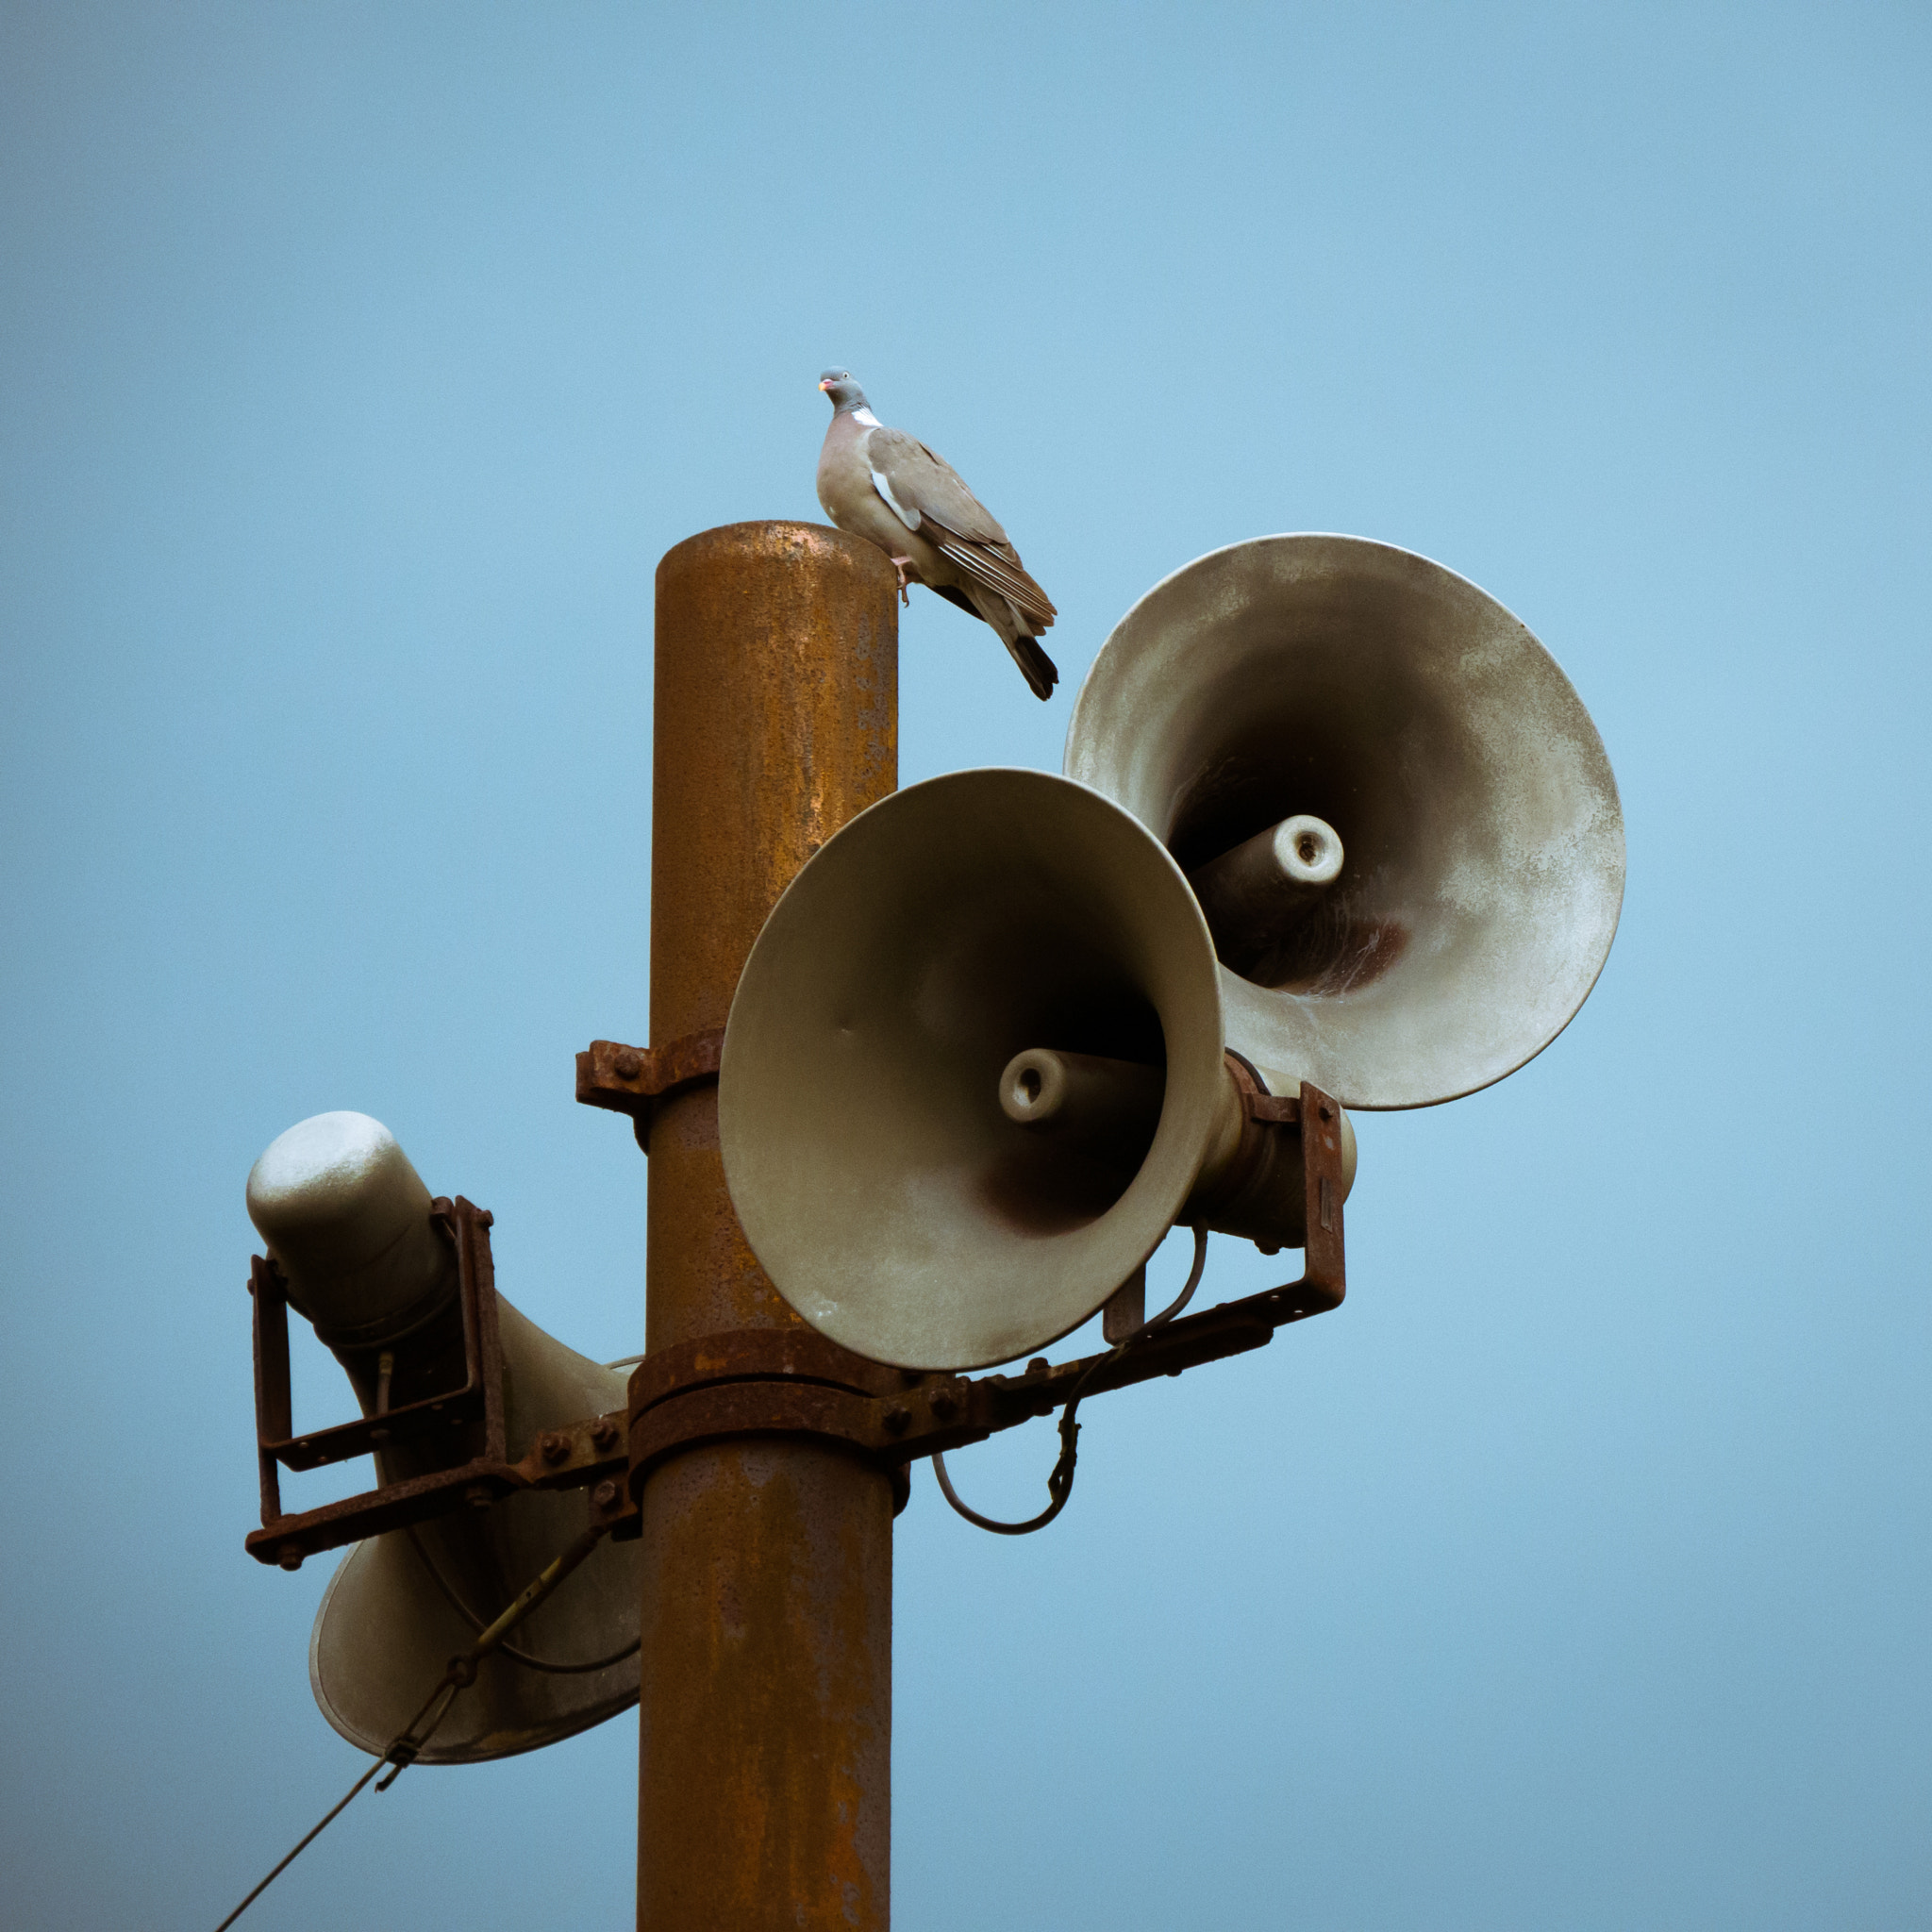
point(973, 1072)
point(1296, 701)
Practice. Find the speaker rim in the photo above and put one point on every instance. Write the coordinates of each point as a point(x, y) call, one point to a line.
point(1140, 1219)
point(1090, 758)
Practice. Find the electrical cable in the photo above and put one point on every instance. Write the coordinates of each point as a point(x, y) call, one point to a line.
point(405, 1747)
point(1060, 1483)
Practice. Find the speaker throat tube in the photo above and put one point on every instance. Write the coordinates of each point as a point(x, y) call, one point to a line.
point(1109, 1108)
point(1264, 879)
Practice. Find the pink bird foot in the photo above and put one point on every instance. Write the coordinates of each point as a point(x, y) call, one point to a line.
point(899, 564)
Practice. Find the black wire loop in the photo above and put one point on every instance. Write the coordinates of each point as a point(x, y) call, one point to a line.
point(1060, 1483)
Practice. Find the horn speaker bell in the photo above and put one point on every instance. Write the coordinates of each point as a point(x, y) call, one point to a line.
point(1482, 840)
point(953, 926)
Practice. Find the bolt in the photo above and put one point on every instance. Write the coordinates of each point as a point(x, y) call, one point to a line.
point(1038, 1365)
point(477, 1496)
point(945, 1403)
point(290, 1556)
point(1327, 1112)
point(626, 1065)
point(897, 1419)
point(603, 1432)
point(605, 1494)
point(554, 1444)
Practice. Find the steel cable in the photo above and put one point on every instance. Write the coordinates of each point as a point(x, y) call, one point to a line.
point(408, 1744)
point(527, 1658)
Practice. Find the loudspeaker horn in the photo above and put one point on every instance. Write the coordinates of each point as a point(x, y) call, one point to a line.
point(1394, 808)
point(973, 1072)
point(348, 1219)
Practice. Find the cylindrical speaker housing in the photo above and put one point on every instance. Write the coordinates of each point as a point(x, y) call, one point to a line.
point(348, 1219)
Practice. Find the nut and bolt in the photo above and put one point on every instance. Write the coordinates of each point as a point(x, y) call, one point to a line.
point(626, 1065)
point(553, 1445)
point(605, 1494)
point(603, 1432)
point(897, 1419)
point(290, 1556)
point(945, 1403)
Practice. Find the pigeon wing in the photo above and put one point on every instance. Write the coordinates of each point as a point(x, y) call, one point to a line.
point(924, 491)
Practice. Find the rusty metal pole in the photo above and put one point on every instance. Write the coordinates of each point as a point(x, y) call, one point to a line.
point(765, 1698)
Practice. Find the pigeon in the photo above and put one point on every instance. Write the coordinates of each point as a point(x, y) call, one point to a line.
point(884, 486)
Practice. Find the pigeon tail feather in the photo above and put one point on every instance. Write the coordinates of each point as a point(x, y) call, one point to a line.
point(1040, 673)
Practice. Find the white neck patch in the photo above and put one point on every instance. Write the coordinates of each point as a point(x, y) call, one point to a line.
point(863, 414)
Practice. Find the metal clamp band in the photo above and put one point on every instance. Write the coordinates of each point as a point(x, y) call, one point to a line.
point(632, 1079)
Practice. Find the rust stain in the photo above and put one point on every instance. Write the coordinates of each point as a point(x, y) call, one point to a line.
point(765, 1702)
point(766, 1690)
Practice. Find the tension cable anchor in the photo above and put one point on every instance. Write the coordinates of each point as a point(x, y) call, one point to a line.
point(1060, 1483)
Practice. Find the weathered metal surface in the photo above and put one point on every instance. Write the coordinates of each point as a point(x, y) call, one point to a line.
point(402, 1602)
point(749, 1355)
point(575, 1454)
point(348, 1222)
point(1328, 1167)
point(990, 937)
point(1261, 892)
point(765, 1714)
point(796, 1383)
point(942, 1412)
point(832, 1417)
point(455, 1429)
point(631, 1079)
point(1257, 1187)
point(1424, 722)
point(960, 923)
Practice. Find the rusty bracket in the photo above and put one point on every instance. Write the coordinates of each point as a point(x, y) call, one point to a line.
point(796, 1382)
point(473, 1415)
point(760, 1382)
point(632, 1079)
point(750, 1382)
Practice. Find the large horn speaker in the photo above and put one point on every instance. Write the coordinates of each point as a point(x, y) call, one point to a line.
point(973, 1069)
point(1394, 806)
point(348, 1219)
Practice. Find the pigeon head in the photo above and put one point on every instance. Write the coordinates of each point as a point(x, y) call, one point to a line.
point(845, 392)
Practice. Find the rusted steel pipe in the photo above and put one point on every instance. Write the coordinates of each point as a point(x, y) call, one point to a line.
point(765, 1701)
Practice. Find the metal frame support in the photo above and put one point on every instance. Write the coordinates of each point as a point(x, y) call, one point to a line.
point(474, 1412)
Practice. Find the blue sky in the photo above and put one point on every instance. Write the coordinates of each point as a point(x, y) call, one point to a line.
point(358, 364)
